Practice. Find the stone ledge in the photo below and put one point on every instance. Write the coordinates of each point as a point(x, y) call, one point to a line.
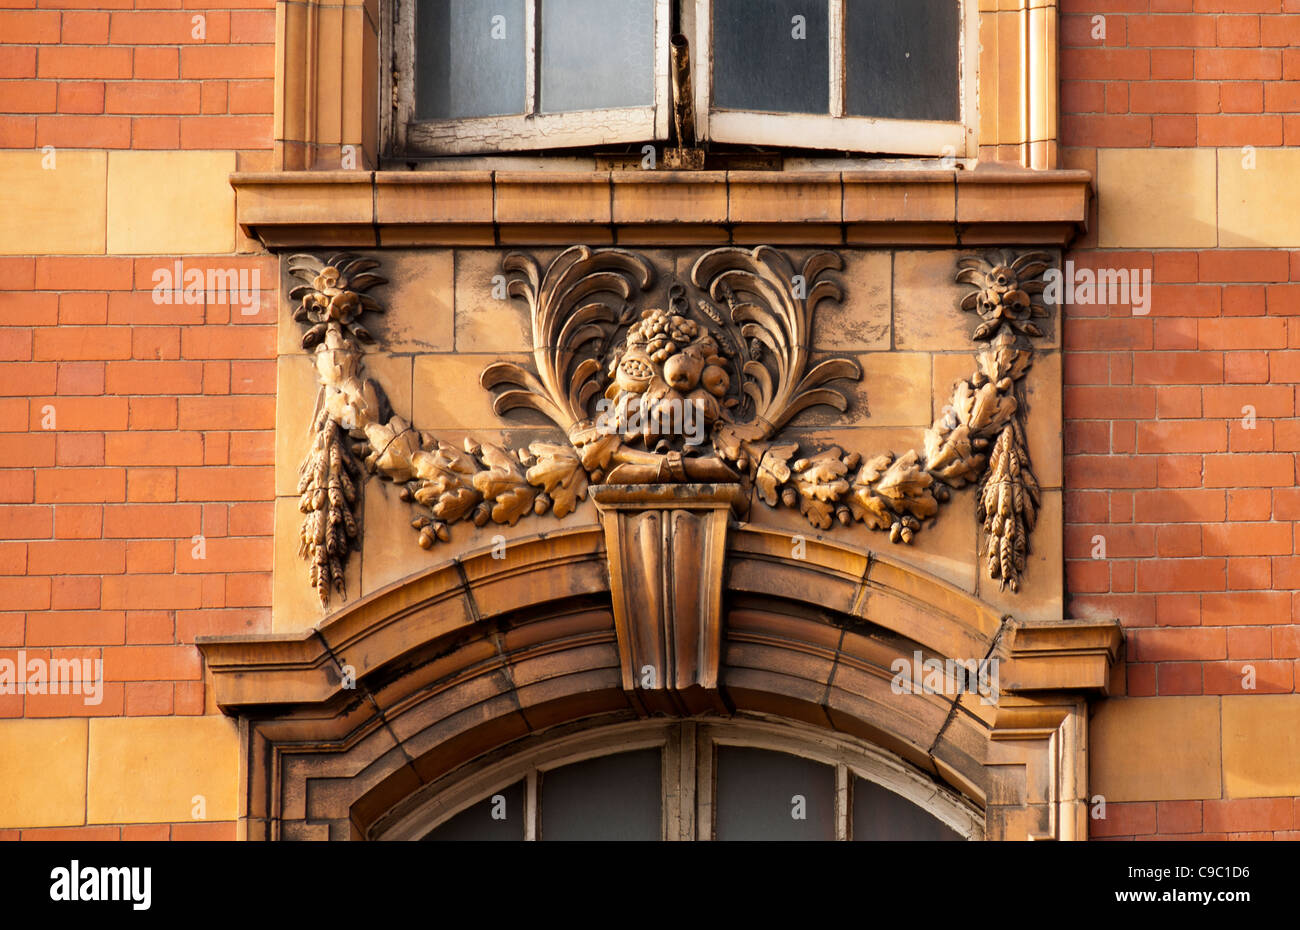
point(367, 209)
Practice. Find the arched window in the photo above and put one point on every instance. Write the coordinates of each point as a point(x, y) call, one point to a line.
point(723, 780)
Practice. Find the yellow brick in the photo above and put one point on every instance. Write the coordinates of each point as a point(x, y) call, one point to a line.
point(150, 769)
point(1155, 749)
point(1261, 746)
point(56, 210)
point(1259, 205)
point(42, 773)
point(170, 203)
point(1156, 198)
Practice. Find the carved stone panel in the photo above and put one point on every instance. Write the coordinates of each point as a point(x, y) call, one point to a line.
point(659, 369)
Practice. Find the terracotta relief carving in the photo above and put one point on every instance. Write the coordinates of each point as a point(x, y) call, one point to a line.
point(332, 301)
point(695, 391)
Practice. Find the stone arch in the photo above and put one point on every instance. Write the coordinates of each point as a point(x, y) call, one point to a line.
point(341, 722)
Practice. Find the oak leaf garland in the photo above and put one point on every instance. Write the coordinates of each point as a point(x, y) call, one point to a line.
point(503, 484)
point(977, 438)
point(559, 471)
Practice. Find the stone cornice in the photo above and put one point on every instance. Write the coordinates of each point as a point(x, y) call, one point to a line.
point(489, 208)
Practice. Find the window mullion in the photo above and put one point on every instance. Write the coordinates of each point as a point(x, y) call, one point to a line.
point(702, 66)
point(530, 57)
point(837, 56)
point(843, 803)
point(705, 784)
point(663, 106)
point(530, 806)
point(688, 746)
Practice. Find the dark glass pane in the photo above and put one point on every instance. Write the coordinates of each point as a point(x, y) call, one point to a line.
point(771, 55)
point(469, 58)
point(596, 54)
point(764, 795)
point(498, 817)
point(610, 798)
point(879, 814)
point(901, 58)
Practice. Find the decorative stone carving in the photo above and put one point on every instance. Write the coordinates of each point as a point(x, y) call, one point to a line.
point(691, 392)
point(694, 392)
point(332, 301)
point(666, 547)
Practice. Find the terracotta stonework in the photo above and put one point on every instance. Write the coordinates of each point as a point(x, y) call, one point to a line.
point(779, 565)
point(700, 391)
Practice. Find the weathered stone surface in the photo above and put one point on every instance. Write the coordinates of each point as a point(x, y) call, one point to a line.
point(1252, 721)
point(484, 321)
point(862, 322)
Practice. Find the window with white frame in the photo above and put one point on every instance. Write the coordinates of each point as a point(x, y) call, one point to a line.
point(481, 76)
point(887, 76)
point(869, 76)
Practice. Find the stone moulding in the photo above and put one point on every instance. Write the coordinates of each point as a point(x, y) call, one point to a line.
point(366, 209)
point(476, 652)
point(695, 391)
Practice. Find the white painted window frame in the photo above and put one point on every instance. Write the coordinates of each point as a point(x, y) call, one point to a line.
point(532, 129)
point(835, 131)
point(689, 775)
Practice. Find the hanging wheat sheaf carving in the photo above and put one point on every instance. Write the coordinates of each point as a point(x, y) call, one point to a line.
point(697, 390)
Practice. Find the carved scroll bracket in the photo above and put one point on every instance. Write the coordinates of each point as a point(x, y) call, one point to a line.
point(666, 547)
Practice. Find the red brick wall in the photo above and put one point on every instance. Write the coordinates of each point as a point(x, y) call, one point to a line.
point(165, 414)
point(101, 74)
point(1196, 510)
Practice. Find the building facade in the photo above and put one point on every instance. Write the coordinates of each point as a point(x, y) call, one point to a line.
point(700, 419)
